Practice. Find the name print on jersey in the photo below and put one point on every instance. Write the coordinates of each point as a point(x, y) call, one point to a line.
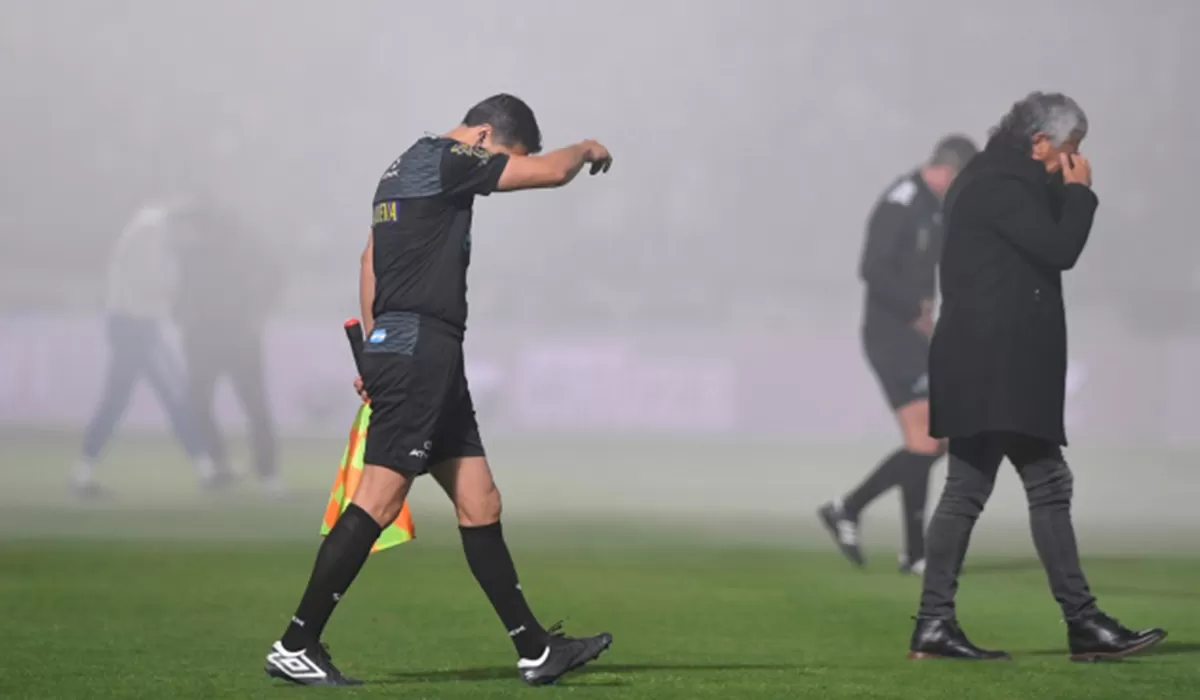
point(462, 149)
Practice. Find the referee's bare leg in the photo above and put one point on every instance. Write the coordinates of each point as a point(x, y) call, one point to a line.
point(544, 656)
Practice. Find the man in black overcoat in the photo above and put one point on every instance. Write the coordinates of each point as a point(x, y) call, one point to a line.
point(1016, 218)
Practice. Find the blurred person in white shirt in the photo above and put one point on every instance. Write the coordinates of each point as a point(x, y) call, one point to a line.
point(142, 278)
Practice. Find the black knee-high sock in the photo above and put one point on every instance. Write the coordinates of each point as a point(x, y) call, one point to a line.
point(339, 560)
point(914, 493)
point(889, 473)
point(492, 565)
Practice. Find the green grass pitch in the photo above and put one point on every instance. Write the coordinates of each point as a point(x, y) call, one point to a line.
point(164, 595)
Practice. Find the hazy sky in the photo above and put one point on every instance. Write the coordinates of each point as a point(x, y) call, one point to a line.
point(751, 137)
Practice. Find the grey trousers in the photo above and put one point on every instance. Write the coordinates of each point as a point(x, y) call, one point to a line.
point(973, 464)
point(137, 349)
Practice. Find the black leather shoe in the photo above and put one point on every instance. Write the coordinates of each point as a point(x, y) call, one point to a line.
point(944, 639)
point(1100, 638)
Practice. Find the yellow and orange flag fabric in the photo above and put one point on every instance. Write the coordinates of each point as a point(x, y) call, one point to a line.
point(348, 477)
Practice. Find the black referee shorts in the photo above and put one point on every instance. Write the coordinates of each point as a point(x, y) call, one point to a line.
point(899, 356)
point(421, 409)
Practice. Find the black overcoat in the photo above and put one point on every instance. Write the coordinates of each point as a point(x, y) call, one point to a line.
point(998, 360)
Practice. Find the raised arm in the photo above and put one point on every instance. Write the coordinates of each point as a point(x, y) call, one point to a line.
point(554, 169)
point(1017, 214)
point(466, 169)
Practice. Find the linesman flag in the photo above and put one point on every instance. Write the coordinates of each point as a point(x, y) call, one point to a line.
point(350, 471)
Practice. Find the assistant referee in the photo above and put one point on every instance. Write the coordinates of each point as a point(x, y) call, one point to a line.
point(899, 263)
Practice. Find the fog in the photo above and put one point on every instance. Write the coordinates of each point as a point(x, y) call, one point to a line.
point(678, 338)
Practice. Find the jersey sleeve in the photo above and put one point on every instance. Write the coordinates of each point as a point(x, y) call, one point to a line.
point(878, 268)
point(471, 170)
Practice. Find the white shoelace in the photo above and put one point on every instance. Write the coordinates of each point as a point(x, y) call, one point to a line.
point(847, 532)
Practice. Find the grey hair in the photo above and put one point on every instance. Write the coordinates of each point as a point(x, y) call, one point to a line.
point(1054, 114)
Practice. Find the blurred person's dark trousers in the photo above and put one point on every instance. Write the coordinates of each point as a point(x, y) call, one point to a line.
point(217, 350)
point(974, 463)
point(136, 349)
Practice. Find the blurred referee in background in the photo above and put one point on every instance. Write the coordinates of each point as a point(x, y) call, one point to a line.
point(899, 262)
